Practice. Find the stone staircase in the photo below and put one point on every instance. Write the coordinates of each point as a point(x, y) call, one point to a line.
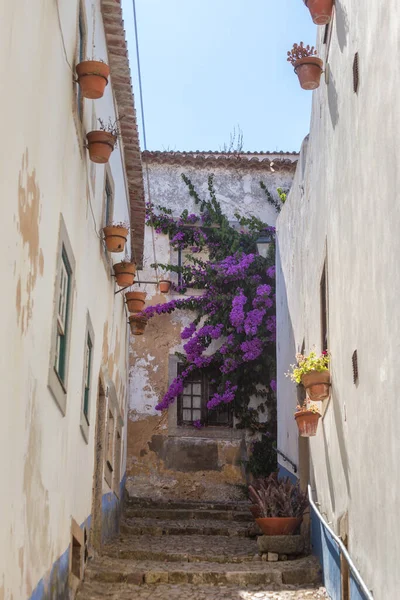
point(201, 550)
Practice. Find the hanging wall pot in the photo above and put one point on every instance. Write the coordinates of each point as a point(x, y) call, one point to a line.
point(135, 301)
point(317, 384)
point(92, 78)
point(321, 10)
point(124, 273)
point(164, 285)
point(115, 237)
point(307, 422)
point(137, 324)
point(309, 70)
point(100, 145)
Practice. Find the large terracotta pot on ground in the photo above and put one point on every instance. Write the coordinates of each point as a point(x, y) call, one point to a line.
point(137, 324)
point(321, 11)
point(100, 146)
point(92, 78)
point(317, 384)
point(135, 301)
point(308, 70)
point(115, 238)
point(307, 423)
point(164, 285)
point(279, 525)
point(124, 273)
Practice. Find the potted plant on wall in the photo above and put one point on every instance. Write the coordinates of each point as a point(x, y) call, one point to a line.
point(321, 10)
point(164, 285)
point(124, 273)
point(135, 301)
point(92, 78)
point(280, 503)
point(313, 372)
point(307, 65)
point(115, 236)
point(307, 418)
point(137, 324)
point(102, 142)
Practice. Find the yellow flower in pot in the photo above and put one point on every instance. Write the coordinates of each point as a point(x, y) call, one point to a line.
point(313, 372)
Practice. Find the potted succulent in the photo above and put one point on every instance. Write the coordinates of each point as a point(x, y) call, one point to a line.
point(280, 503)
point(321, 10)
point(115, 236)
point(92, 78)
point(137, 324)
point(135, 301)
point(164, 285)
point(313, 372)
point(307, 417)
point(307, 65)
point(124, 273)
point(103, 141)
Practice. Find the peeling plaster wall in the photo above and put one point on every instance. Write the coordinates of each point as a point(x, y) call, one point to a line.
point(344, 206)
point(164, 459)
point(47, 465)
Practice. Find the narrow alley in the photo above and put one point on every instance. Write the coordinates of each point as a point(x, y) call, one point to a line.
point(200, 550)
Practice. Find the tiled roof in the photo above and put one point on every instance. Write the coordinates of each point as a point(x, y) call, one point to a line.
point(122, 86)
point(276, 161)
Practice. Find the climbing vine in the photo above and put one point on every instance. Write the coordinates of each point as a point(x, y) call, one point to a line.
point(236, 310)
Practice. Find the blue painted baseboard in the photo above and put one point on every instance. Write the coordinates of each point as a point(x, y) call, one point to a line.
point(54, 585)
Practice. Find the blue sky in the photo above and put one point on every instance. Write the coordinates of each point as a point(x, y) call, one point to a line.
point(211, 65)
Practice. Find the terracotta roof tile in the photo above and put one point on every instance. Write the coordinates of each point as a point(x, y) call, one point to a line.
point(122, 85)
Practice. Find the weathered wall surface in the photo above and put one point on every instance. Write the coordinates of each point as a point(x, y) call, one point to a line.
point(343, 207)
point(47, 463)
point(170, 460)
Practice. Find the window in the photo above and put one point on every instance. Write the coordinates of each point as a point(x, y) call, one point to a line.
point(108, 202)
point(109, 453)
point(324, 309)
point(192, 403)
point(86, 375)
point(80, 56)
point(182, 260)
point(62, 317)
point(60, 339)
point(117, 461)
point(88, 364)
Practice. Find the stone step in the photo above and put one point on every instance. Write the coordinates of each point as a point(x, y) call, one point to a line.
point(136, 502)
point(142, 526)
point(111, 571)
point(181, 514)
point(178, 548)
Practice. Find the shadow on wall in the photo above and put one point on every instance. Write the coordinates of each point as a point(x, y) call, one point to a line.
point(333, 100)
point(342, 24)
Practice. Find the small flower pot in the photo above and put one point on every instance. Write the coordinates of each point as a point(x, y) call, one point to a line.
point(307, 423)
point(137, 324)
point(100, 146)
point(317, 384)
point(308, 70)
point(164, 285)
point(321, 11)
point(279, 525)
point(135, 301)
point(124, 273)
point(115, 238)
point(92, 78)
point(255, 511)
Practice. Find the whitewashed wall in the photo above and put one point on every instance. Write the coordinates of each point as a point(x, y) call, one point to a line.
point(45, 171)
point(343, 204)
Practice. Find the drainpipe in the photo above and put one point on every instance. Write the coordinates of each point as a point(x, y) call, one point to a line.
point(342, 548)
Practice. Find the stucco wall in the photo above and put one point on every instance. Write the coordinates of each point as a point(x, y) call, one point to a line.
point(162, 458)
point(343, 207)
point(47, 465)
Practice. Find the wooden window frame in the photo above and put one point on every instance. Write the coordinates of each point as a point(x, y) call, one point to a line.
point(109, 447)
point(324, 308)
point(87, 378)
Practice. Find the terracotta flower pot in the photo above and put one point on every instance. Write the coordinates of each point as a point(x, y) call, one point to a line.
point(307, 423)
point(317, 384)
point(135, 301)
point(115, 238)
point(164, 286)
point(255, 511)
point(321, 11)
point(100, 145)
point(92, 78)
point(308, 70)
point(124, 273)
point(279, 525)
point(137, 324)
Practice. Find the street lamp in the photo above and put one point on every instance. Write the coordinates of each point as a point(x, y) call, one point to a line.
point(263, 243)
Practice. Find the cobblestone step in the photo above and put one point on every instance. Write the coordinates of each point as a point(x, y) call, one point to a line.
point(110, 571)
point(142, 526)
point(94, 590)
point(187, 514)
point(135, 502)
point(178, 548)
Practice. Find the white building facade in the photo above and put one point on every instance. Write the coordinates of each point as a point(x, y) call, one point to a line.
point(337, 269)
point(64, 331)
